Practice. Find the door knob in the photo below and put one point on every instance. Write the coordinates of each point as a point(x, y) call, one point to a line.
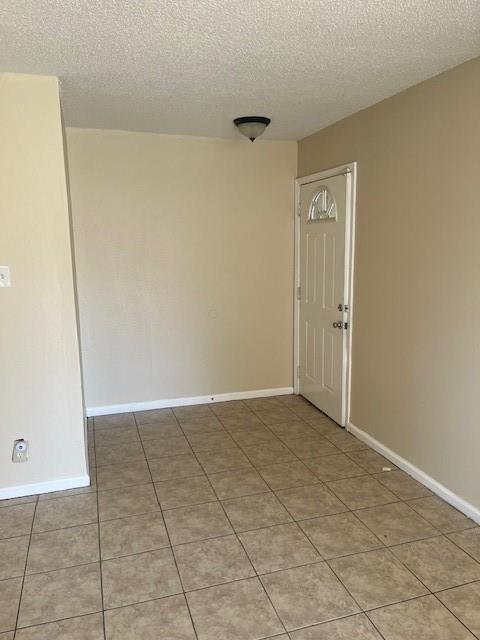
point(337, 325)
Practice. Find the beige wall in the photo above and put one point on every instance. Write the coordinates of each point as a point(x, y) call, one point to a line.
point(416, 350)
point(184, 258)
point(40, 390)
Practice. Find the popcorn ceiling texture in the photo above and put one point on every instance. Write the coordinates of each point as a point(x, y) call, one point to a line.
point(191, 66)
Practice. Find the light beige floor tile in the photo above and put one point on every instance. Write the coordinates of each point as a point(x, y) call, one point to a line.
point(165, 619)
point(252, 512)
point(127, 501)
point(279, 547)
point(12, 502)
point(324, 426)
point(183, 466)
point(159, 430)
point(16, 520)
point(211, 441)
point(157, 416)
point(422, 619)
point(164, 447)
point(223, 460)
point(252, 436)
point(237, 611)
point(189, 524)
point(115, 435)
point(118, 453)
point(340, 535)
point(292, 430)
point(287, 475)
point(13, 555)
point(211, 562)
point(278, 414)
point(306, 449)
point(377, 578)
point(403, 485)
point(334, 467)
point(469, 541)
point(308, 595)
point(361, 492)
point(9, 599)
point(88, 627)
point(114, 420)
point(63, 548)
point(241, 421)
point(308, 412)
point(236, 483)
point(8, 635)
point(138, 578)
point(114, 476)
point(64, 593)
point(357, 627)
point(372, 461)
point(182, 492)
point(65, 512)
point(263, 404)
point(441, 515)
point(292, 400)
point(195, 411)
point(345, 441)
point(210, 424)
point(464, 602)
point(396, 523)
point(228, 408)
point(261, 455)
point(131, 535)
point(310, 502)
point(438, 563)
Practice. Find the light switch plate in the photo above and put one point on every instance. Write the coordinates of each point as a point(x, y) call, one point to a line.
point(5, 277)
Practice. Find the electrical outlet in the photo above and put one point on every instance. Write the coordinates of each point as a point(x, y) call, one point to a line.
point(5, 277)
point(20, 450)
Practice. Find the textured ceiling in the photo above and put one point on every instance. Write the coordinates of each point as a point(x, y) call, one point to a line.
point(191, 66)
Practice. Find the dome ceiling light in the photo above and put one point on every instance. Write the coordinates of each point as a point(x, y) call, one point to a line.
point(252, 126)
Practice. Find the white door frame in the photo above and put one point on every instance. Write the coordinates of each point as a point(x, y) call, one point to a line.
point(351, 170)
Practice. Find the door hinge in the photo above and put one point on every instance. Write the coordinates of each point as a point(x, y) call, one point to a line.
point(345, 325)
point(299, 208)
point(298, 371)
point(299, 293)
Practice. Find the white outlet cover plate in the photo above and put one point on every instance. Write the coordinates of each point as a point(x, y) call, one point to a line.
point(5, 277)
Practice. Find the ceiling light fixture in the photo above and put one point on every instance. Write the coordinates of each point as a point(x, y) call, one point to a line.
point(251, 126)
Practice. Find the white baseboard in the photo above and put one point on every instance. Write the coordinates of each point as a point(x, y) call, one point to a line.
point(439, 489)
point(183, 402)
point(44, 487)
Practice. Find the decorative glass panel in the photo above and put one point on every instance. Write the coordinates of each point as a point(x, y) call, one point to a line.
point(323, 206)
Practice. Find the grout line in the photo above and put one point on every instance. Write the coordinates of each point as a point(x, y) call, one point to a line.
point(24, 570)
point(43, 624)
point(171, 547)
point(100, 556)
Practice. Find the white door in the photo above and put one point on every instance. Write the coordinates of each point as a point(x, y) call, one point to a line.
point(324, 281)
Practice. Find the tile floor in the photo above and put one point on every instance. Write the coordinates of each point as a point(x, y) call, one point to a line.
point(237, 521)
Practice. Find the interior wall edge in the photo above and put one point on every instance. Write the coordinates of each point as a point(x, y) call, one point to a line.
point(418, 474)
point(186, 401)
point(37, 488)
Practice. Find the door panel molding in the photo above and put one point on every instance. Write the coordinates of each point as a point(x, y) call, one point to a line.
point(350, 171)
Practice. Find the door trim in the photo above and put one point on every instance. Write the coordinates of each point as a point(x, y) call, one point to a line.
point(351, 170)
